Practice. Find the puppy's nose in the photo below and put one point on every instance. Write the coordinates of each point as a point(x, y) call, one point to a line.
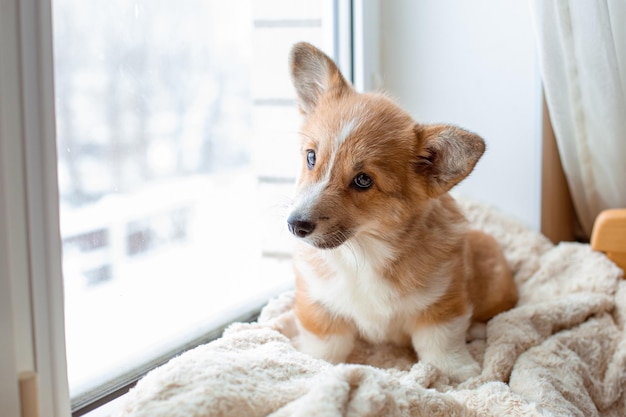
point(299, 227)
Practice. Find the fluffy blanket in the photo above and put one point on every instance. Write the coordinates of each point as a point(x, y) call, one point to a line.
point(560, 352)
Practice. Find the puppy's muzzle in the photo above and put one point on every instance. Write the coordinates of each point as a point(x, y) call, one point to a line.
point(300, 227)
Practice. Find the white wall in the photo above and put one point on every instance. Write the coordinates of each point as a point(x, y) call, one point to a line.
point(473, 64)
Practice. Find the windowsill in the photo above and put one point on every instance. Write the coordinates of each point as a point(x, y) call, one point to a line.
point(108, 409)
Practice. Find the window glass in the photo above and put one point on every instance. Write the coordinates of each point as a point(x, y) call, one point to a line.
point(176, 150)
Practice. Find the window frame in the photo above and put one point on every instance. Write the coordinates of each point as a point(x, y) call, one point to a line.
point(31, 280)
point(30, 204)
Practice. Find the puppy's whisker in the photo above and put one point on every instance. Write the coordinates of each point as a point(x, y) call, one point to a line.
point(350, 247)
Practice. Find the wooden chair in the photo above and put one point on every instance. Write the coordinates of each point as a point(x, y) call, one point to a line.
point(609, 235)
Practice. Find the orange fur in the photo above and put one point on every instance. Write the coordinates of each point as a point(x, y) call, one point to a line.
point(314, 317)
point(392, 260)
point(491, 288)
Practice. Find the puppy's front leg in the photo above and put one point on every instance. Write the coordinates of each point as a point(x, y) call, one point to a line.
point(334, 347)
point(321, 333)
point(443, 345)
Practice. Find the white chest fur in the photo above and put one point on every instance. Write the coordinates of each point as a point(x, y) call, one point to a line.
point(357, 291)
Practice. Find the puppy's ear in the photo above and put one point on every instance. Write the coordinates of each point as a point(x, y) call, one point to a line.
point(314, 74)
point(446, 155)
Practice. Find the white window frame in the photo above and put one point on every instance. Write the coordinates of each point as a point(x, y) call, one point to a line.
point(32, 340)
point(31, 247)
point(366, 68)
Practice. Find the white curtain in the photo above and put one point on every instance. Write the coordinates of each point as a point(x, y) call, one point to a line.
point(582, 53)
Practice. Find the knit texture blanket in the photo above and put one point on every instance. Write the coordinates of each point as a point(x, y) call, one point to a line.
point(560, 352)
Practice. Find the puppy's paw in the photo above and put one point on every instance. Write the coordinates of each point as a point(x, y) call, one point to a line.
point(477, 331)
point(464, 372)
point(443, 345)
point(458, 368)
point(333, 348)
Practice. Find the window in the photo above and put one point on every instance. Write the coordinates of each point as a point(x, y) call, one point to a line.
point(176, 142)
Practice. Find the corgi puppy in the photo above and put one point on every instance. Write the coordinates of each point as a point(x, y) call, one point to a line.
point(383, 252)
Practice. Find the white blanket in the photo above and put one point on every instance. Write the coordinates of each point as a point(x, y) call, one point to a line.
point(560, 352)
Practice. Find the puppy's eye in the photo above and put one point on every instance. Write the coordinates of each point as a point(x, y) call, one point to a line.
point(310, 158)
point(362, 182)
